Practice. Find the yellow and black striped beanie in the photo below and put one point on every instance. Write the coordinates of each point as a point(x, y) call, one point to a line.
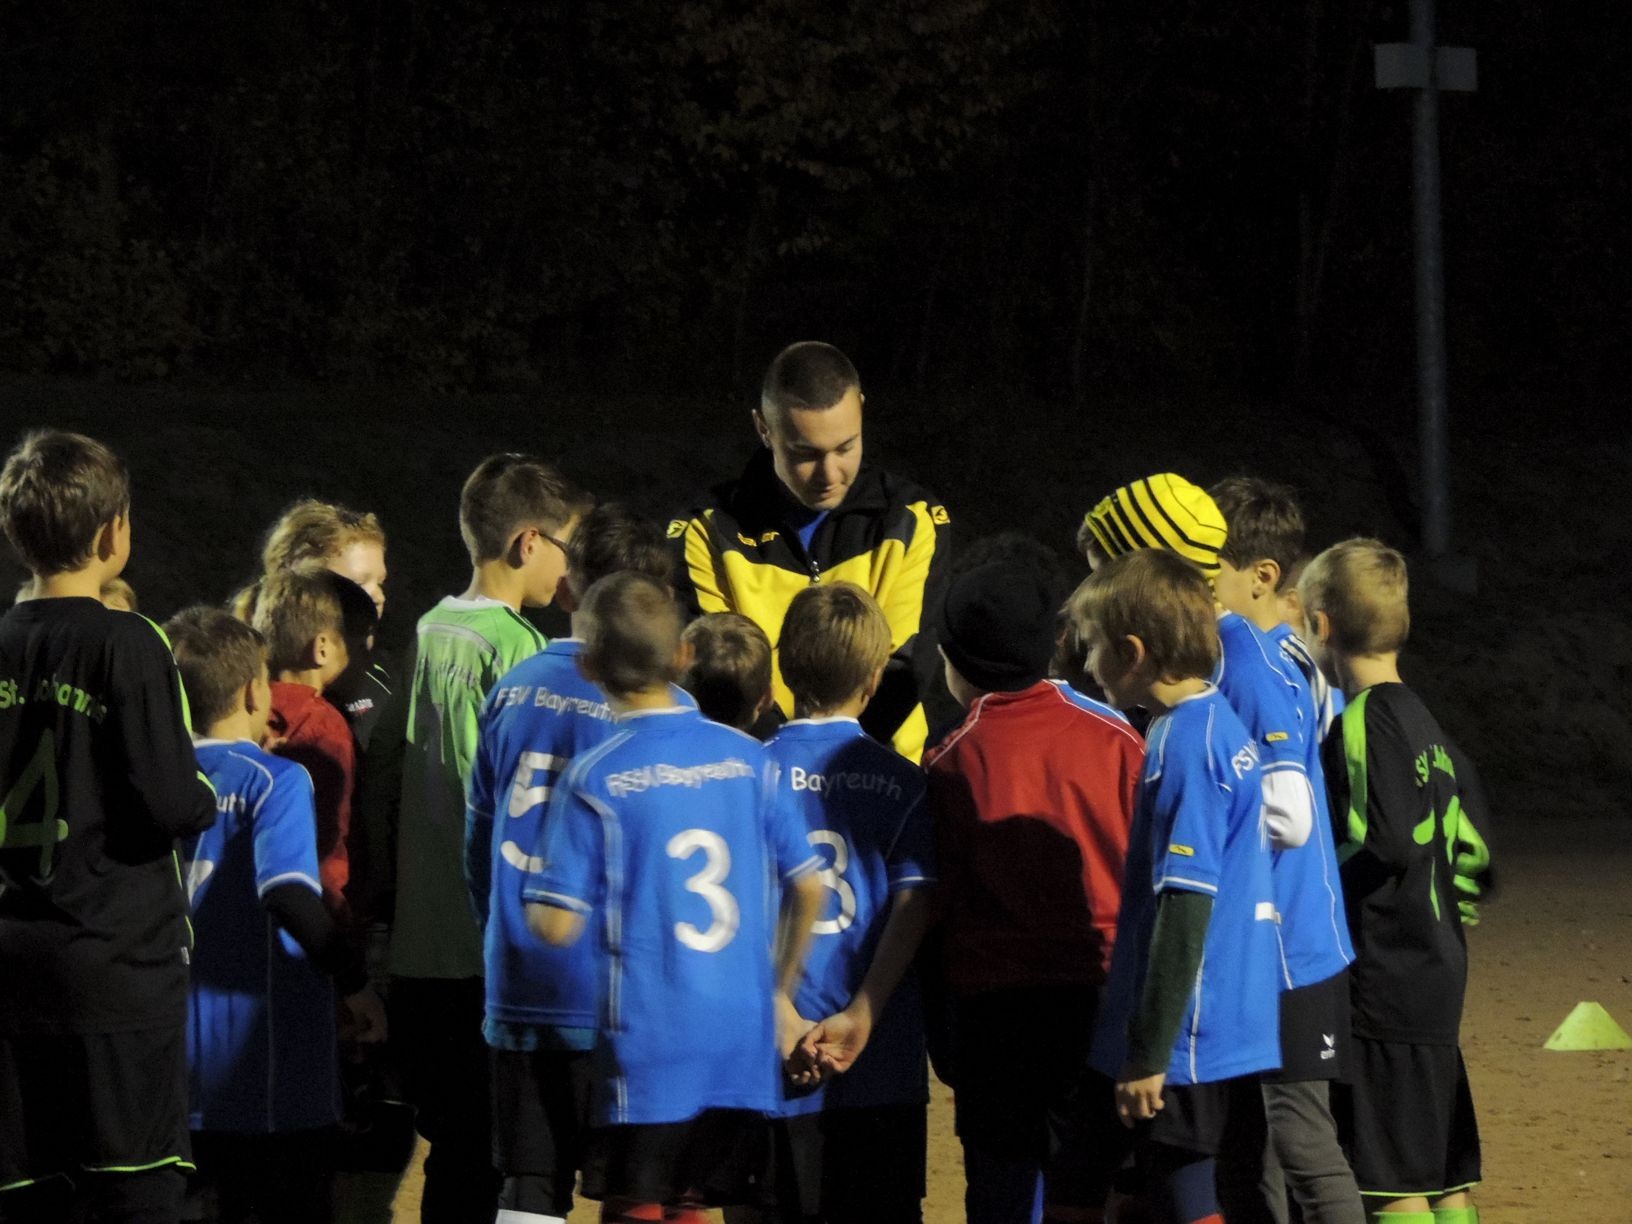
point(1162, 511)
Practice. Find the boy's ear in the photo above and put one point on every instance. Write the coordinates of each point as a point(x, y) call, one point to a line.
point(1131, 649)
point(1268, 573)
point(521, 548)
point(685, 655)
point(1321, 625)
point(871, 688)
point(106, 543)
point(764, 705)
point(762, 427)
point(252, 703)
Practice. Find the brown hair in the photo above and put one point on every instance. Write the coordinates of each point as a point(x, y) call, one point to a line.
point(1158, 597)
point(809, 374)
point(834, 639)
point(313, 532)
point(730, 670)
point(217, 655)
point(291, 608)
point(631, 630)
point(56, 492)
point(1265, 523)
point(1363, 588)
point(507, 494)
point(613, 539)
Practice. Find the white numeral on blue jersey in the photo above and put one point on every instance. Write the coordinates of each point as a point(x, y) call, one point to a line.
point(706, 884)
point(524, 796)
point(833, 878)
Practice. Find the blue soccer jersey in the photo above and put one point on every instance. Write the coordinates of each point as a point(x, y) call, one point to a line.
point(538, 717)
point(862, 806)
point(261, 1042)
point(1198, 828)
point(1271, 702)
point(667, 838)
point(1309, 890)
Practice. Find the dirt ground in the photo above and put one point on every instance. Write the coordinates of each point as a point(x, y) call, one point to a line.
point(1529, 674)
point(1556, 1128)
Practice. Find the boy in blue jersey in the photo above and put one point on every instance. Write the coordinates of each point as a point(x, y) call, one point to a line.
point(729, 675)
point(850, 1142)
point(542, 1001)
point(1260, 669)
point(1190, 1005)
point(261, 1039)
point(666, 836)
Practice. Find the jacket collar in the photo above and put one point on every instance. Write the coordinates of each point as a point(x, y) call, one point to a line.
point(759, 496)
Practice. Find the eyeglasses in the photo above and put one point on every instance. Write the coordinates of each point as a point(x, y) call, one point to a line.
point(544, 535)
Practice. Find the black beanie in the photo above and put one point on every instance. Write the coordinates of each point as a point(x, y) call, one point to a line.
point(997, 626)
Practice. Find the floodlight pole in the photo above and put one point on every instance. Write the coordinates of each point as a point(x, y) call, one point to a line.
point(1424, 66)
point(1432, 415)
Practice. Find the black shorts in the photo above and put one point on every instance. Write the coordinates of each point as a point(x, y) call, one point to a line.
point(94, 1102)
point(1405, 1117)
point(861, 1166)
point(541, 1122)
point(1315, 1032)
point(1021, 1058)
point(1195, 1117)
point(716, 1159)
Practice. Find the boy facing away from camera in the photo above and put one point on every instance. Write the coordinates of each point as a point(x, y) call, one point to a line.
point(1032, 798)
point(849, 1142)
point(269, 957)
point(98, 780)
point(729, 674)
point(543, 1001)
point(1181, 1042)
point(665, 837)
point(1400, 794)
point(517, 516)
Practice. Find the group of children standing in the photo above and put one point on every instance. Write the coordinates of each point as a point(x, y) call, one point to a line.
point(1201, 968)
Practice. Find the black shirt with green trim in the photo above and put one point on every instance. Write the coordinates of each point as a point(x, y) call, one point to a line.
point(1400, 811)
point(97, 781)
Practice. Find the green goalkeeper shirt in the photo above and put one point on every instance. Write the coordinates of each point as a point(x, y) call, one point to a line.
point(463, 646)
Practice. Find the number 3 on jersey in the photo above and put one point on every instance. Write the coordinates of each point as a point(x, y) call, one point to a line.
point(44, 830)
point(707, 884)
point(832, 878)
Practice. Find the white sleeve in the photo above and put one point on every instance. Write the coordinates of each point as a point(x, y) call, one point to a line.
point(1289, 807)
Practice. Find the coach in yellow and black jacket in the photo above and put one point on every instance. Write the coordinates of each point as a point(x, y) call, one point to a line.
point(806, 510)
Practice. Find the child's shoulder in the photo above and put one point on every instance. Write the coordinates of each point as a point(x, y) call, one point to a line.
point(241, 765)
point(1203, 728)
point(1100, 715)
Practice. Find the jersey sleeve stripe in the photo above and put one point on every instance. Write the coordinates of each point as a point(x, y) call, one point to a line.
point(289, 877)
point(558, 900)
point(1186, 882)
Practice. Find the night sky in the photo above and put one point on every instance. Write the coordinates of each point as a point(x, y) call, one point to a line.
point(1053, 196)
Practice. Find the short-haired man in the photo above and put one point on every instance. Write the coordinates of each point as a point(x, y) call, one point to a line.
point(807, 509)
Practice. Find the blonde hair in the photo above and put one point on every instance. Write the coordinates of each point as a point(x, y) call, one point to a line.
point(1158, 597)
point(1363, 588)
point(833, 641)
point(730, 671)
point(313, 532)
point(119, 589)
point(291, 608)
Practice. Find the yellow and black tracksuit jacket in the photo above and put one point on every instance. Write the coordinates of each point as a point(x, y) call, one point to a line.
point(741, 553)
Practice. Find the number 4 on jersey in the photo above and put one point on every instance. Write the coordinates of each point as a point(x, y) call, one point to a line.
point(44, 830)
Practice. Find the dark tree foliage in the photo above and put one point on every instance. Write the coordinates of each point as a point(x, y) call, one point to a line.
point(639, 192)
